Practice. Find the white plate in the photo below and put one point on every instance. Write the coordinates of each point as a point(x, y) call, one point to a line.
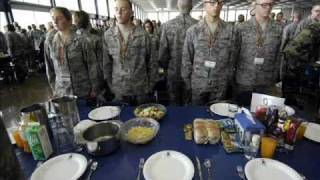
point(270, 170)
point(168, 165)
point(63, 167)
point(222, 109)
point(290, 110)
point(104, 113)
point(313, 132)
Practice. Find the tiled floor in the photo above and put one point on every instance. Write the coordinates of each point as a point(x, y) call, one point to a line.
point(15, 96)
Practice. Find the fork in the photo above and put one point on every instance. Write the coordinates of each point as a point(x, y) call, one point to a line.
point(207, 164)
point(141, 163)
point(93, 167)
point(240, 172)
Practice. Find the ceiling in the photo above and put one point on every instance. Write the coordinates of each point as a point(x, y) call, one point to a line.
point(170, 5)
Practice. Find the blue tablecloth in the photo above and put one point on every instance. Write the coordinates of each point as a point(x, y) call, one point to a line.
point(123, 164)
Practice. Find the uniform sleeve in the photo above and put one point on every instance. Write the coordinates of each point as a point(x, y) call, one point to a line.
point(237, 47)
point(187, 59)
point(9, 43)
point(49, 66)
point(233, 54)
point(285, 38)
point(152, 62)
point(107, 62)
point(300, 46)
point(92, 64)
point(164, 49)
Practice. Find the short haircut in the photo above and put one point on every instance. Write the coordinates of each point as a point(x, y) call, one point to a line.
point(84, 19)
point(66, 13)
point(11, 28)
point(128, 1)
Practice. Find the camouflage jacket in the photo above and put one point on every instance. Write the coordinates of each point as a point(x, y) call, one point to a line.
point(249, 73)
point(288, 34)
point(81, 63)
point(3, 43)
point(96, 44)
point(305, 48)
point(171, 44)
point(49, 65)
point(136, 73)
point(302, 24)
point(198, 54)
point(15, 44)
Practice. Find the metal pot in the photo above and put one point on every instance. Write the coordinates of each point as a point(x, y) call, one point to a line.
point(103, 138)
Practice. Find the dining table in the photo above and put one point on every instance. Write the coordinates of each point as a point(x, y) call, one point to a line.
point(123, 164)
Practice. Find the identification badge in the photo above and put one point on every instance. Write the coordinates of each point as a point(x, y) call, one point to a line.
point(210, 64)
point(258, 61)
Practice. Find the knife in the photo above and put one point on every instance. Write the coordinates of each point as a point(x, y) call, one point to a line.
point(199, 168)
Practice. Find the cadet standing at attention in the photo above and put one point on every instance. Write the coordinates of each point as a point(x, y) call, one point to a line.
point(128, 67)
point(170, 52)
point(258, 48)
point(207, 57)
point(73, 67)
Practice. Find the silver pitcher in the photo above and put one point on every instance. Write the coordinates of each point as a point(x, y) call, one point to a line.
point(35, 113)
point(67, 108)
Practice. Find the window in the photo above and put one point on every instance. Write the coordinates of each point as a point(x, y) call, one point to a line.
point(243, 12)
point(164, 16)
point(70, 4)
point(88, 6)
point(40, 2)
point(231, 16)
point(3, 21)
point(196, 14)
point(34, 17)
point(112, 5)
point(152, 15)
point(102, 7)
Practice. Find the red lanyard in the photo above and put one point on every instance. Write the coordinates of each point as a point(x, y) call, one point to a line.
point(124, 45)
point(259, 35)
point(213, 37)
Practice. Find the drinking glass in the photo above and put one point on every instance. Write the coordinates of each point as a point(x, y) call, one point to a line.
point(268, 147)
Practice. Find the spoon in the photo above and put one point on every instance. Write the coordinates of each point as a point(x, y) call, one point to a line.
point(240, 172)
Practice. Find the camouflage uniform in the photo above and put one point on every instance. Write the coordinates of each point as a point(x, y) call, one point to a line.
point(78, 74)
point(170, 53)
point(206, 68)
point(36, 36)
point(287, 36)
point(305, 48)
point(155, 52)
point(49, 65)
point(133, 76)
point(305, 22)
point(301, 53)
point(252, 72)
point(3, 43)
point(15, 44)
